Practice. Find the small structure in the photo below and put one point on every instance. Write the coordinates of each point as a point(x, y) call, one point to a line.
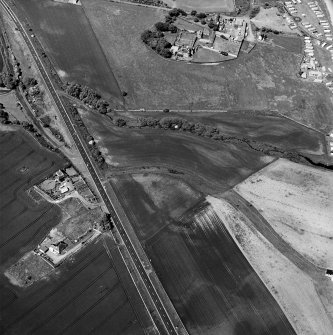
point(43, 249)
point(329, 273)
point(58, 248)
point(59, 175)
point(63, 188)
point(71, 172)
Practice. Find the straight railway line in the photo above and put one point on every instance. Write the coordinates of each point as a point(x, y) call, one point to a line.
point(168, 326)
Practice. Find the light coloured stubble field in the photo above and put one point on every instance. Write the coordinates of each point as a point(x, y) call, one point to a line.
point(297, 201)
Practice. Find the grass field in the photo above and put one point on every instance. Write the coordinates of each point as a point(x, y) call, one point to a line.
point(264, 79)
point(212, 287)
point(297, 202)
point(86, 297)
point(202, 5)
point(69, 40)
point(203, 162)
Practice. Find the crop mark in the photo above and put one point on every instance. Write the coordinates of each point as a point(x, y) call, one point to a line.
point(61, 309)
point(61, 286)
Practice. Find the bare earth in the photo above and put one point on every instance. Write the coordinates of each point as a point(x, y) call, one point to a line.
point(293, 289)
point(297, 201)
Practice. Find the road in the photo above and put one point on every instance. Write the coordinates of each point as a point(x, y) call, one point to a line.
point(74, 131)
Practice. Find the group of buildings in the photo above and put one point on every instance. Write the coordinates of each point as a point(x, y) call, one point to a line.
point(224, 38)
point(65, 182)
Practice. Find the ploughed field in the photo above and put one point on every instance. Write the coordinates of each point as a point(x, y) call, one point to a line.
point(85, 295)
point(266, 78)
point(23, 221)
point(68, 39)
point(212, 286)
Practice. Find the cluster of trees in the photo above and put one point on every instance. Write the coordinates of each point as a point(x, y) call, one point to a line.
point(156, 40)
point(165, 26)
point(254, 12)
point(95, 153)
point(89, 97)
point(176, 123)
point(3, 115)
point(106, 222)
point(175, 12)
point(8, 80)
point(156, 3)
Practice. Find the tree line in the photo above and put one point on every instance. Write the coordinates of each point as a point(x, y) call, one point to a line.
point(88, 96)
point(207, 131)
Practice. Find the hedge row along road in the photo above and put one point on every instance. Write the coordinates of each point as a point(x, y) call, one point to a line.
point(168, 326)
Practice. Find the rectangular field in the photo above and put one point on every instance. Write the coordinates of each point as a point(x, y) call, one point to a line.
point(212, 286)
point(70, 42)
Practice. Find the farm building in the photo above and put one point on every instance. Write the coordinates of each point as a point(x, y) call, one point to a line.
point(71, 172)
point(58, 248)
point(329, 273)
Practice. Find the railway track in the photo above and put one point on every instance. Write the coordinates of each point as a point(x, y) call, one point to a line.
point(167, 325)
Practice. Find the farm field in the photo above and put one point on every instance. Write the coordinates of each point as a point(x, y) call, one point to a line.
point(305, 296)
point(264, 79)
point(202, 5)
point(296, 200)
point(23, 222)
point(85, 296)
point(66, 34)
point(203, 162)
point(213, 288)
point(264, 127)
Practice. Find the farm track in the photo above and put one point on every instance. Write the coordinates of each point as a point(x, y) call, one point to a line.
point(58, 288)
point(60, 309)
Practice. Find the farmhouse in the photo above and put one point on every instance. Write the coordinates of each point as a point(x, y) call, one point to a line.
point(329, 274)
point(225, 39)
point(58, 248)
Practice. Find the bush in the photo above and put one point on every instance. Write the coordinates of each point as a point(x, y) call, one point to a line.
point(254, 12)
point(211, 25)
point(193, 12)
point(162, 26)
point(173, 29)
point(201, 15)
point(203, 21)
point(196, 20)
